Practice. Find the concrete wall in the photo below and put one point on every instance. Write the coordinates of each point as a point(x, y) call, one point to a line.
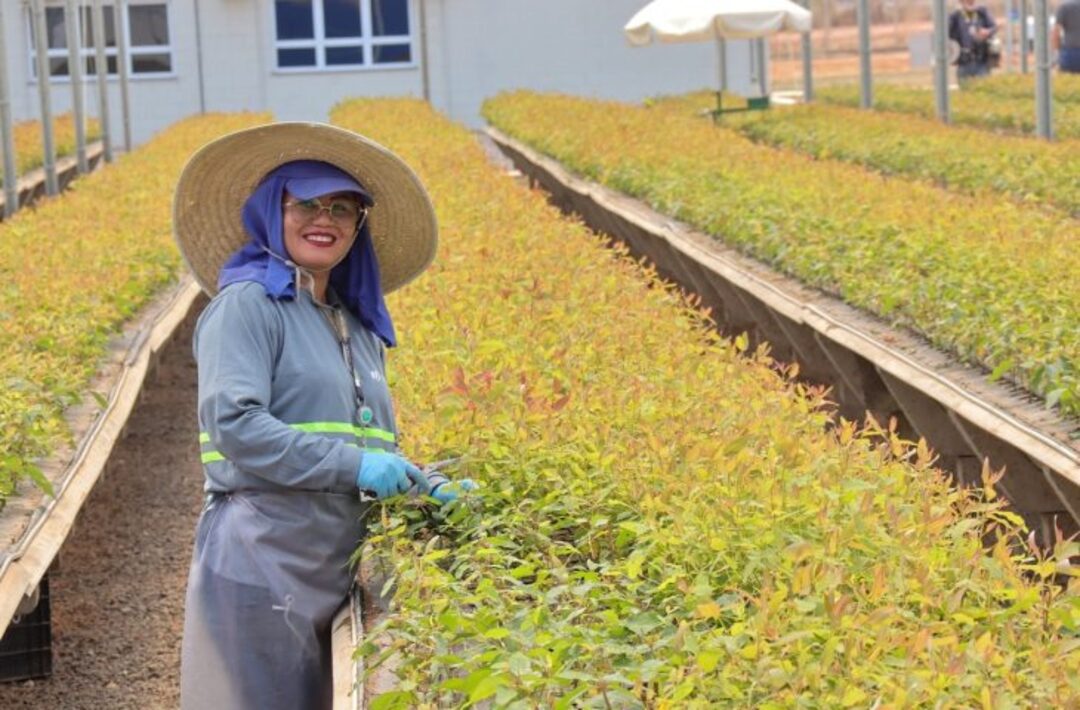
point(476, 48)
point(239, 35)
point(237, 72)
point(480, 47)
point(155, 101)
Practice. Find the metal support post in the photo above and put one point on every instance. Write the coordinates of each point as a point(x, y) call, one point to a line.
point(119, 13)
point(41, 51)
point(1042, 71)
point(75, 73)
point(1025, 39)
point(941, 60)
point(101, 67)
point(7, 137)
point(826, 32)
point(866, 97)
point(721, 52)
point(1010, 10)
point(807, 62)
point(761, 56)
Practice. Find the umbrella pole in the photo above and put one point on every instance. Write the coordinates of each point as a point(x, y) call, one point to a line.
point(721, 50)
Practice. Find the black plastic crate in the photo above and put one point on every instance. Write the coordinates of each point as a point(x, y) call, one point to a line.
point(26, 647)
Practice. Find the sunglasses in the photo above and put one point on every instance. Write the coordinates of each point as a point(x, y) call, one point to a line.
point(343, 211)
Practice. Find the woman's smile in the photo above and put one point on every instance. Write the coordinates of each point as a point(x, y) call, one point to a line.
point(319, 242)
point(320, 238)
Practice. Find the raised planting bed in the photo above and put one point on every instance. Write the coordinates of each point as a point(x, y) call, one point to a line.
point(32, 185)
point(667, 517)
point(28, 142)
point(79, 333)
point(870, 366)
point(986, 279)
point(1028, 170)
point(978, 109)
point(1065, 87)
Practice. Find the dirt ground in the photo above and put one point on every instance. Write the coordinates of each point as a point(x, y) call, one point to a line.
point(787, 73)
point(118, 595)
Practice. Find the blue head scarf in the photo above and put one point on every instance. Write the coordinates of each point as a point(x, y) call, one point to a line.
point(264, 259)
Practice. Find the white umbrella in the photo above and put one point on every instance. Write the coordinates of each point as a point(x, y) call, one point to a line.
point(698, 20)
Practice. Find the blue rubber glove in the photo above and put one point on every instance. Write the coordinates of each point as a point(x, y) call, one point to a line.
point(384, 474)
point(448, 491)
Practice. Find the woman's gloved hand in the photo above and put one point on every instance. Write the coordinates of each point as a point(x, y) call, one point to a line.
point(384, 474)
point(448, 491)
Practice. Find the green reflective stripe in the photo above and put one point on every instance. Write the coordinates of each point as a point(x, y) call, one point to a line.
point(315, 428)
point(343, 428)
point(376, 434)
point(328, 428)
point(325, 427)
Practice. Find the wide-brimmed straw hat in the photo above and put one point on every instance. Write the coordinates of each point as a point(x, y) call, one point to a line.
point(221, 175)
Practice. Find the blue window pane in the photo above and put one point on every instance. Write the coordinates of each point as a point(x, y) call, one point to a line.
point(110, 65)
point(88, 27)
point(58, 66)
point(296, 57)
point(341, 18)
point(294, 20)
point(391, 53)
point(149, 25)
point(55, 30)
point(151, 63)
point(390, 17)
point(344, 55)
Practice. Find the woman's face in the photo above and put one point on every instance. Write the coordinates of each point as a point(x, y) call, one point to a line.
point(314, 239)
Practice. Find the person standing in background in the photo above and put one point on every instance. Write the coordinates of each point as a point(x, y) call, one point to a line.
point(972, 28)
point(1066, 36)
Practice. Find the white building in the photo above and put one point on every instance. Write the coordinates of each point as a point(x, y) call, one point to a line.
point(297, 58)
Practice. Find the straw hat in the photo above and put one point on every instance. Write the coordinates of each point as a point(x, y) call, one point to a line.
point(220, 177)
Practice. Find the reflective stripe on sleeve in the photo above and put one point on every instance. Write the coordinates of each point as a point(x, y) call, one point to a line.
point(208, 455)
point(343, 428)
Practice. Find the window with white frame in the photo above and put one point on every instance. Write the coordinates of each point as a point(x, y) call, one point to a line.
point(146, 29)
point(325, 34)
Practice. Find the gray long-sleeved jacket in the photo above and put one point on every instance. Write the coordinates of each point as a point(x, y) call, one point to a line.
point(277, 408)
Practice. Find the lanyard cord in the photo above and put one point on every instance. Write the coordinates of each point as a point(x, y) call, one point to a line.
point(341, 329)
point(340, 326)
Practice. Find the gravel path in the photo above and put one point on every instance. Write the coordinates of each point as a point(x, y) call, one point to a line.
point(118, 597)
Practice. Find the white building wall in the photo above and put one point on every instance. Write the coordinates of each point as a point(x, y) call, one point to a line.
point(155, 101)
point(476, 48)
point(239, 67)
point(480, 47)
point(233, 38)
point(308, 95)
point(237, 73)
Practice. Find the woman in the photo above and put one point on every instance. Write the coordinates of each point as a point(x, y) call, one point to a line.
point(299, 229)
point(972, 28)
point(1066, 37)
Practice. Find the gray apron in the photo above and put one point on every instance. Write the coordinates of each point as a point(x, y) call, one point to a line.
point(268, 573)
point(281, 449)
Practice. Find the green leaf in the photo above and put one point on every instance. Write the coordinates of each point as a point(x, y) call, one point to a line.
point(487, 687)
point(707, 660)
point(38, 478)
point(393, 700)
point(523, 570)
point(999, 371)
point(644, 623)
